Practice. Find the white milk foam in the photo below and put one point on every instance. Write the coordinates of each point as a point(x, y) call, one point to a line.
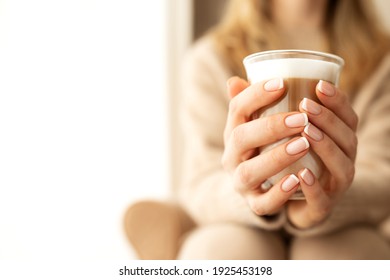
point(292, 68)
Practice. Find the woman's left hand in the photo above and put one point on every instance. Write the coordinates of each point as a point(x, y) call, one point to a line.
point(331, 133)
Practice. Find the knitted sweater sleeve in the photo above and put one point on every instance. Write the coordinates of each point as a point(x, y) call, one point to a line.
point(368, 199)
point(206, 191)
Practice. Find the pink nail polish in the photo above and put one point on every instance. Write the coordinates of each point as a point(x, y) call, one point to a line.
point(297, 146)
point(313, 132)
point(326, 88)
point(290, 183)
point(296, 120)
point(307, 177)
point(311, 106)
point(274, 84)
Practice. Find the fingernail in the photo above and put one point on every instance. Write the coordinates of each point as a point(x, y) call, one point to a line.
point(326, 88)
point(290, 183)
point(296, 120)
point(307, 177)
point(311, 106)
point(266, 185)
point(313, 132)
point(297, 146)
point(274, 84)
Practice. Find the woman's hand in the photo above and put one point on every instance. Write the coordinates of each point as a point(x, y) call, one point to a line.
point(331, 133)
point(243, 136)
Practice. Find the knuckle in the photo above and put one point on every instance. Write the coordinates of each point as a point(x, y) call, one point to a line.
point(321, 213)
point(258, 208)
point(258, 88)
point(354, 143)
point(243, 174)
point(233, 106)
point(238, 137)
point(225, 162)
point(350, 173)
point(351, 149)
point(355, 121)
point(347, 176)
point(325, 209)
point(330, 147)
point(228, 162)
point(276, 158)
point(271, 124)
point(330, 118)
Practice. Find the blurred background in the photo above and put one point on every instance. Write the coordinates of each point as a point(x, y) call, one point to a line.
point(88, 106)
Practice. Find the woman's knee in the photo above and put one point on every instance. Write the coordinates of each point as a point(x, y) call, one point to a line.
point(359, 242)
point(232, 241)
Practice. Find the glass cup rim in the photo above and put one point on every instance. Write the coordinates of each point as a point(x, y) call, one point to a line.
point(293, 53)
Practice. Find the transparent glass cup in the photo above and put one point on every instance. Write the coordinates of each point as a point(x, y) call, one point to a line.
point(301, 70)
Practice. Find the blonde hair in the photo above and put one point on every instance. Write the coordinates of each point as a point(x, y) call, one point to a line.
point(351, 27)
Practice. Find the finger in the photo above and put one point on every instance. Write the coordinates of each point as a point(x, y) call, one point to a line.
point(336, 101)
point(260, 132)
point(270, 202)
point(249, 174)
point(332, 125)
point(339, 165)
point(235, 85)
point(254, 97)
point(315, 208)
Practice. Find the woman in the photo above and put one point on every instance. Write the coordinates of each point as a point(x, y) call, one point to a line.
point(339, 219)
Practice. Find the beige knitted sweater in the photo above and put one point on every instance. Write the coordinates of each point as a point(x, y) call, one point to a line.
point(206, 191)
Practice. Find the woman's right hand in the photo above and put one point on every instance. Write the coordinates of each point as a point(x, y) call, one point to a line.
point(243, 136)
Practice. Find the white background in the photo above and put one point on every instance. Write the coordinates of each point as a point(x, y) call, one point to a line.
point(83, 123)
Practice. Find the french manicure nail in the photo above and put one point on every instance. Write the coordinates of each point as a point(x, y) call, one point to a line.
point(274, 84)
point(326, 88)
point(313, 132)
point(297, 146)
point(266, 185)
point(296, 120)
point(290, 183)
point(307, 177)
point(311, 106)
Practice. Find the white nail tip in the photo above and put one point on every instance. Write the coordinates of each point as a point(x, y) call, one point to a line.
point(306, 129)
point(304, 104)
point(307, 144)
point(306, 118)
point(295, 178)
point(281, 83)
point(303, 173)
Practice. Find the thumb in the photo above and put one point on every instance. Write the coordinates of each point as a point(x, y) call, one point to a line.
point(235, 85)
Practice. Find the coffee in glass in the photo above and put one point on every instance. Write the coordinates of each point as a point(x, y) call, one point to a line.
point(301, 71)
